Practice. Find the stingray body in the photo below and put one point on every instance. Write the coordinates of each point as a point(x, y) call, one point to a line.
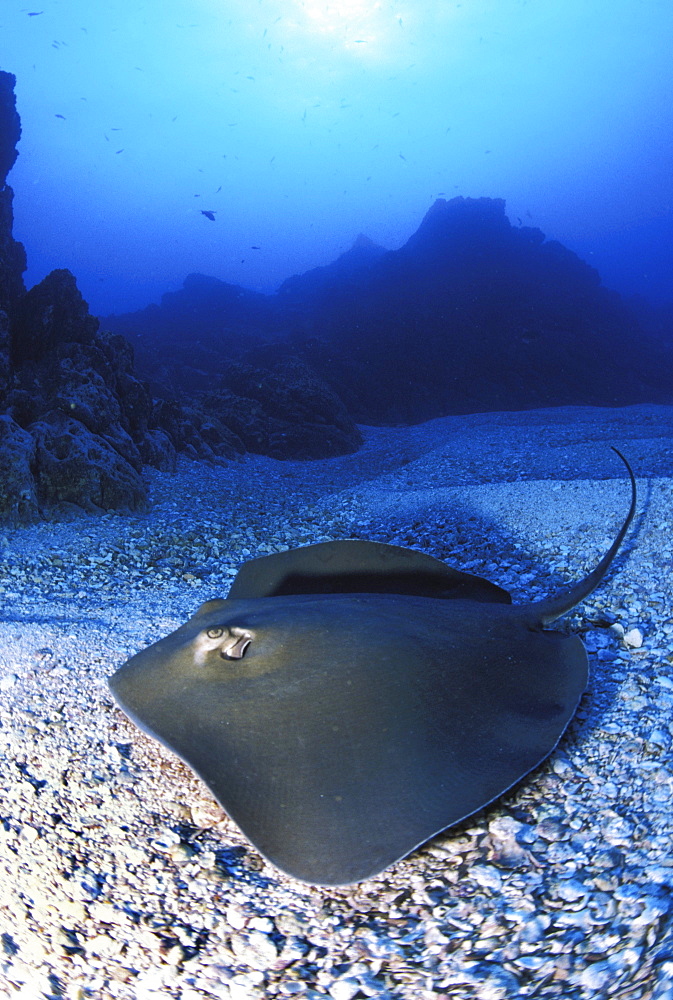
point(351, 699)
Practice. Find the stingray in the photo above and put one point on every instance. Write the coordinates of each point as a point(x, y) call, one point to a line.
point(349, 700)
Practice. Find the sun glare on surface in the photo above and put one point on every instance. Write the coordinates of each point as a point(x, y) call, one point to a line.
point(353, 22)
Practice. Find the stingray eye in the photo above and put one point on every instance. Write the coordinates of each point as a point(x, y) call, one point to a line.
point(215, 633)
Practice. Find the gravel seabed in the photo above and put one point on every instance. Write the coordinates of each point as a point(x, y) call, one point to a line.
point(121, 878)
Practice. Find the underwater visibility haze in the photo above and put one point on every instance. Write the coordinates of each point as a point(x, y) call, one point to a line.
point(252, 140)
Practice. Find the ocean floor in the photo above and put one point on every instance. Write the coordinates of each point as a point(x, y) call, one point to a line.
point(121, 878)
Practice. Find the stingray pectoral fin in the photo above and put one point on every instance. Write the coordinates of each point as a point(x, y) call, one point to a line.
point(216, 604)
point(375, 724)
point(355, 567)
point(375, 784)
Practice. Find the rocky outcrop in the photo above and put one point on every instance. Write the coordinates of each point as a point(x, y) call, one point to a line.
point(201, 349)
point(221, 391)
point(302, 294)
point(52, 313)
point(471, 314)
point(282, 409)
point(75, 467)
point(12, 253)
point(77, 424)
point(18, 487)
point(73, 405)
point(174, 341)
point(4, 355)
point(474, 314)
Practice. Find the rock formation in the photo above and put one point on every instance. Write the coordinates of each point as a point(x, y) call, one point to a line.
point(76, 424)
point(282, 409)
point(471, 314)
point(74, 420)
point(179, 334)
point(75, 406)
point(203, 348)
point(12, 254)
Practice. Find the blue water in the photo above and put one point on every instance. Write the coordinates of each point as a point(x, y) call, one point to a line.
point(301, 123)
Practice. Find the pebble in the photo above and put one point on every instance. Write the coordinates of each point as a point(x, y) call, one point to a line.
point(633, 638)
point(255, 949)
point(344, 989)
point(124, 881)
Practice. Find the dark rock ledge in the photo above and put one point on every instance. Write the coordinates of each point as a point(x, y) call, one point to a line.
point(77, 423)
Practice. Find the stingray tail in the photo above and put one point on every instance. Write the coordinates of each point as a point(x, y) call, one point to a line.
point(552, 608)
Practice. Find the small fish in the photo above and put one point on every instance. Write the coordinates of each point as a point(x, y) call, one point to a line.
point(402, 157)
point(255, 248)
point(219, 189)
point(60, 116)
point(208, 214)
point(34, 13)
point(120, 151)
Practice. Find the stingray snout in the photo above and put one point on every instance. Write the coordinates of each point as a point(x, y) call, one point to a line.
point(230, 640)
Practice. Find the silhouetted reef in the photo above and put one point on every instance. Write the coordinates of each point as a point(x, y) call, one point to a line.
point(472, 314)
